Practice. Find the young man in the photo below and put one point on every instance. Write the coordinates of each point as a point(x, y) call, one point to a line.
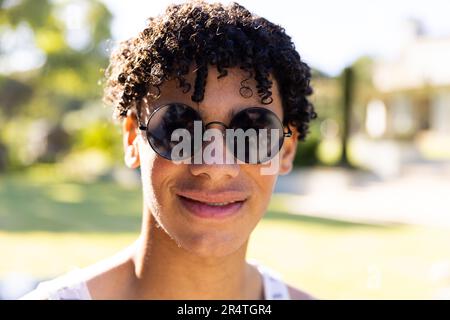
point(214, 67)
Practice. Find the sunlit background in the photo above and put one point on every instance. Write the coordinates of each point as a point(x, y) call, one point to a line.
point(366, 212)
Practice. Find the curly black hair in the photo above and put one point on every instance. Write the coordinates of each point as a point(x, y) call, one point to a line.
point(201, 34)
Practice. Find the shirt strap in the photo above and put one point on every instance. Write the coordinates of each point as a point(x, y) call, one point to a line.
point(274, 287)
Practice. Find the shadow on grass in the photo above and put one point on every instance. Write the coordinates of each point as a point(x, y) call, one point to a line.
point(326, 222)
point(66, 207)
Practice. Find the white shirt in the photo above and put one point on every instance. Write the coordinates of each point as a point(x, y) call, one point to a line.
point(71, 286)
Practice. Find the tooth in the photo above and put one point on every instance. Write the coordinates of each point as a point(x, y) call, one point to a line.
point(217, 204)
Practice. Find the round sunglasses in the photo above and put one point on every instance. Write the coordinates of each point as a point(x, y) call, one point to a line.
point(258, 133)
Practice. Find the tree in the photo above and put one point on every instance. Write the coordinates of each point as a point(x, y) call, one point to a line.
point(69, 40)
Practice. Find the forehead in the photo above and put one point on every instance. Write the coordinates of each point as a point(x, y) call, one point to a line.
point(220, 94)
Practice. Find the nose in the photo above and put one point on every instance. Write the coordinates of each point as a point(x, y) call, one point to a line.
point(216, 170)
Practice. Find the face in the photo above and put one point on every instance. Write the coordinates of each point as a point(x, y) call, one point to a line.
point(208, 209)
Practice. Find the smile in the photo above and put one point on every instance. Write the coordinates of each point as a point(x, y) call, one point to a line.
point(205, 205)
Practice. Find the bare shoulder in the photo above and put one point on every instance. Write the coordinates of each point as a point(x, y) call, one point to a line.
point(105, 279)
point(297, 294)
point(97, 281)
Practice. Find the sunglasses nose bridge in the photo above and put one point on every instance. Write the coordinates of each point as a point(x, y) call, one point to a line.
point(218, 123)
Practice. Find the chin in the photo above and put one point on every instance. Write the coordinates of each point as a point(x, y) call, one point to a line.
point(211, 244)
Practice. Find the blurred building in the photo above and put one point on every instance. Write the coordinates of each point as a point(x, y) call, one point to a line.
point(412, 101)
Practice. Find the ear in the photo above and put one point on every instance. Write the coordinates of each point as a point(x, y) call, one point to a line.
point(287, 153)
point(130, 141)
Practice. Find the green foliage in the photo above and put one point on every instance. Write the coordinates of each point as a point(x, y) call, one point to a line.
point(14, 94)
point(363, 70)
point(100, 135)
point(307, 150)
point(36, 13)
point(70, 76)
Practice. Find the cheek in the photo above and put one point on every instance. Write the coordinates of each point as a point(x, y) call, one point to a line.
point(263, 186)
point(267, 186)
point(155, 174)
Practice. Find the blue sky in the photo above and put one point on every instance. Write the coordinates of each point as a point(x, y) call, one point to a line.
point(328, 34)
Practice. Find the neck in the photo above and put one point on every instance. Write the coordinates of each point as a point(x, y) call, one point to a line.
point(163, 270)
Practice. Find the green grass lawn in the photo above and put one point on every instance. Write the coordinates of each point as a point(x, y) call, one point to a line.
point(49, 225)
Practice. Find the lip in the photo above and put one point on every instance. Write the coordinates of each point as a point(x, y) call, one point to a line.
point(196, 202)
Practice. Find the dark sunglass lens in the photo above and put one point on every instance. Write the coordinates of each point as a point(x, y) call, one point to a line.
point(258, 135)
point(162, 124)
